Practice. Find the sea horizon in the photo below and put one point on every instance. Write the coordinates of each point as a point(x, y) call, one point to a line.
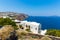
point(47, 22)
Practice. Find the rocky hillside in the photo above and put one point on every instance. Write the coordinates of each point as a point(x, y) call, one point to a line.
point(7, 32)
point(13, 15)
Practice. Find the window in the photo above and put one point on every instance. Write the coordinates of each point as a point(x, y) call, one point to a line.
point(35, 28)
point(22, 28)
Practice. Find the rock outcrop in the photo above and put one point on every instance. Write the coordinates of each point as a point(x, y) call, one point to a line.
point(8, 33)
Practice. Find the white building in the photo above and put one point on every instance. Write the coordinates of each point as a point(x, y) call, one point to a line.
point(43, 32)
point(33, 26)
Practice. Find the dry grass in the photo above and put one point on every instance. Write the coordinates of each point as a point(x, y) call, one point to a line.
point(5, 31)
point(46, 38)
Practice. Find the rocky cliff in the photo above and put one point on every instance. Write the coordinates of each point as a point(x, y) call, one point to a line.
point(13, 15)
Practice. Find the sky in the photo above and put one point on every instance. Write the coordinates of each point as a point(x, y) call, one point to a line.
point(31, 7)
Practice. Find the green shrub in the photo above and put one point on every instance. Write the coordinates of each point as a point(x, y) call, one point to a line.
point(53, 32)
point(28, 30)
point(15, 27)
point(34, 36)
point(21, 26)
point(23, 33)
point(7, 21)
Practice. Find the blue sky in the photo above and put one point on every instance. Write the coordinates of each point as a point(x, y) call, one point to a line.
point(32, 7)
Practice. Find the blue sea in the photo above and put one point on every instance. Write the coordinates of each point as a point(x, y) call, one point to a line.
point(47, 22)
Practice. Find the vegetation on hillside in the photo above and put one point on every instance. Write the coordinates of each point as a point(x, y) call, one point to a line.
point(7, 21)
point(53, 32)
